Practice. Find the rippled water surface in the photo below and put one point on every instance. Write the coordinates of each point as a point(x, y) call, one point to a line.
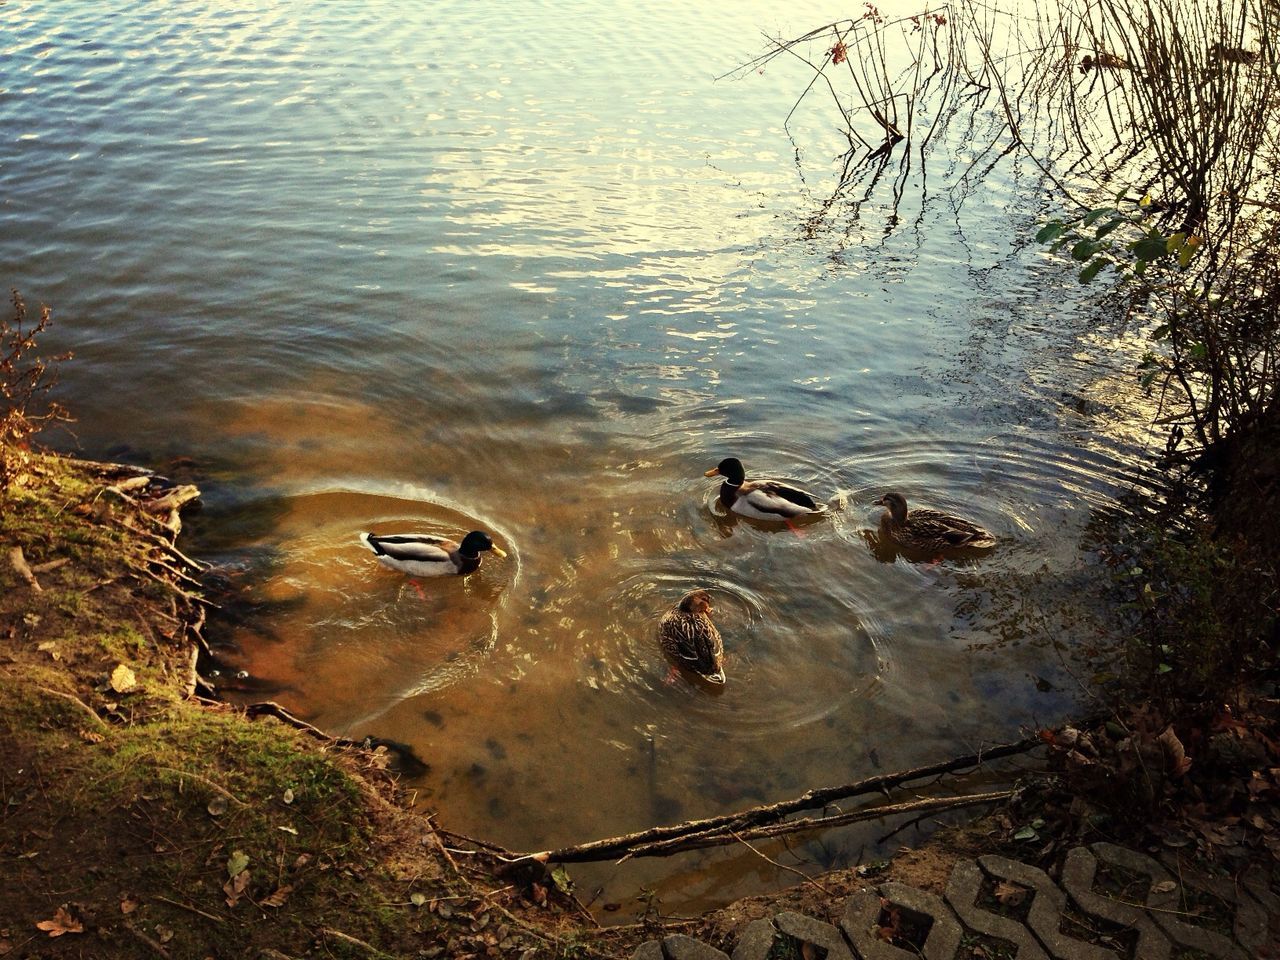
point(530, 268)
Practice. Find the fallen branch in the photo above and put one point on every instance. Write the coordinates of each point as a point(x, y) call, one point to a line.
point(193, 677)
point(149, 941)
point(215, 787)
point(743, 820)
point(272, 709)
point(347, 938)
point(408, 759)
point(187, 906)
point(19, 564)
point(79, 703)
point(717, 838)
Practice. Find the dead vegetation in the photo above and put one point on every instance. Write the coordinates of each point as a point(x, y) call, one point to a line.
point(24, 378)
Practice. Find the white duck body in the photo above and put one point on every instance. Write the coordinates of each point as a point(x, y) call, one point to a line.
point(424, 555)
point(763, 499)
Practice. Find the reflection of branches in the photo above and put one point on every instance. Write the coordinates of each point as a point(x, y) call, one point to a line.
point(1147, 89)
point(1167, 97)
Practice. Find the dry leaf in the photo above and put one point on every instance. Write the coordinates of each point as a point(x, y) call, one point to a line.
point(163, 933)
point(287, 796)
point(128, 905)
point(5, 947)
point(235, 887)
point(1164, 886)
point(278, 898)
point(123, 679)
point(217, 806)
point(91, 736)
point(62, 922)
point(808, 951)
point(1179, 762)
point(1010, 894)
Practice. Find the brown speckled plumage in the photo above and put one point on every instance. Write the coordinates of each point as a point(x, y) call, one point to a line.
point(929, 530)
point(690, 639)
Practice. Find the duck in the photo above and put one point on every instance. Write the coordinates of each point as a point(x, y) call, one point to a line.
point(424, 555)
point(762, 499)
point(689, 638)
point(929, 530)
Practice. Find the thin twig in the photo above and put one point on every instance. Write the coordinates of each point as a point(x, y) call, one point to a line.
point(215, 787)
point(781, 866)
point(187, 906)
point(347, 938)
point(149, 941)
point(79, 703)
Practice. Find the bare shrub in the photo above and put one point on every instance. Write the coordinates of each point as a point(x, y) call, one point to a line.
point(24, 378)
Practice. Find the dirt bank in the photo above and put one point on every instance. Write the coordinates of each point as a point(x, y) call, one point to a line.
point(140, 820)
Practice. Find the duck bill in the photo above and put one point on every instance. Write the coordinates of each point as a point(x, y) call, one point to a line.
point(498, 552)
point(713, 472)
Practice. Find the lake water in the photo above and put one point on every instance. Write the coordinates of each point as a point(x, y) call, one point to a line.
point(531, 268)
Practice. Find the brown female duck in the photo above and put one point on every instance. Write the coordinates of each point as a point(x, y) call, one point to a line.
point(689, 638)
point(929, 530)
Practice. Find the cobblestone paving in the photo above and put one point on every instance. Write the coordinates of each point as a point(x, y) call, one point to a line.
point(1108, 903)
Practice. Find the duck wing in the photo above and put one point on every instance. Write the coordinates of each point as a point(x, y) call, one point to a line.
point(952, 531)
point(412, 547)
point(772, 498)
point(693, 642)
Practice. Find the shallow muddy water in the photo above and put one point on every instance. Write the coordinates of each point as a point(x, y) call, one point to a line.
point(530, 268)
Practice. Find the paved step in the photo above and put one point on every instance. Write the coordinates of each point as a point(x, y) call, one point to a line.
point(1166, 914)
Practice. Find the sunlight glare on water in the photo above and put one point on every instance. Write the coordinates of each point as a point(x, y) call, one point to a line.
point(530, 268)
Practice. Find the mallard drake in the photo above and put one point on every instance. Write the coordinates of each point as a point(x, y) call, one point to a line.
point(690, 639)
point(422, 555)
point(762, 499)
point(929, 530)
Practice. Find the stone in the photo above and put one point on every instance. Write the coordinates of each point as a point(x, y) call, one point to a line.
point(1077, 878)
point(862, 911)
point(808, 930)
point(755, 941)
point(1253, 903)
point(1047, 906)
point(859, 922)
point(679, 947)
point(1163, 906)
point(963, 888)
point(650, 950)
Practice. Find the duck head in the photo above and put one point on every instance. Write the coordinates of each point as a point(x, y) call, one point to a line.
point(731, 469)
point(896, 504)
point(475, 541)
point(697, 602)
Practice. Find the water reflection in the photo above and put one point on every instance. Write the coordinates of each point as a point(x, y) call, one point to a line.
point(469, 266)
